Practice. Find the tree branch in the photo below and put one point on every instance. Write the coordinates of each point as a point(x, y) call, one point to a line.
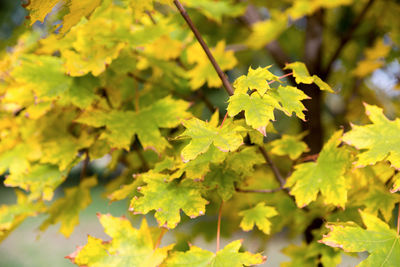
point(263, 191)
point(346, 38)
point(85, 164)
point(221, 74)
point(275, 169)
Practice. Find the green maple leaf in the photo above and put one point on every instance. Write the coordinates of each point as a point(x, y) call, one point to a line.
point(378, 198)
point(290, 98)
point(44, 75)
point(243, 161)
point(168, 198)
point(325, 175)
point(228, 256)
point(223, 180)
point(128, 246)
point(225, 138)
point(302, 75)
point(258, 111)
point(41, 180)
point(204, 71)
point(122, 125)
point(380, 139)
point(289, 145)
point(378, 239)
point(200, 166)
point(258, 216)
point(310, 255)
point(66, 209)
point(216, 10)
point(12, 215)
point(255, 79)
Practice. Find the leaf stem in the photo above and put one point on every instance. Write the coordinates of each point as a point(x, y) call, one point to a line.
point(226, 116)
point(221, 74)
point(158, 242)
point(398, 219)
point(219, 224)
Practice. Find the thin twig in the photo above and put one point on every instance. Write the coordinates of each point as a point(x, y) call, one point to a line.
point(151, 17)
point(263, 191)
point(398, 219)
point(221, 74)
point(226, 116)
point(271, 82)
point(219, 225)
point(158, 242)
point(275, 169)
point(347, 37)
point(85, 164)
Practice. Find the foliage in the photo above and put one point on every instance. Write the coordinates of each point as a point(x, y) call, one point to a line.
point(288, 147)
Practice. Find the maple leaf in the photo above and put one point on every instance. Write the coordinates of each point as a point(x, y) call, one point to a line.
point(380, 139)
point(66, 209)
point(216, 10)
point(378, 198)
point(289, 145)
point(223, 180)
point(243, 161)
point(302, 75)
point(204, 71)
point(258, 216)
point(290, 98)
point(122, 125)
point(378, 239)
point(44, 75)
point(263, 32)
point(12, 215)
point(325, 175)
point(41, 180)
point(228, 256)
point(255, 79)
point(77, 10)
point(200, 166)
point(258, 111)
point(168, 198)
point(225, 138)
point(128, 246)
point(310, 255)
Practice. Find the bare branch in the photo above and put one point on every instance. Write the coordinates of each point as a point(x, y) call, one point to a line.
point(221, 74)
point(347, 37)
point(274, 168)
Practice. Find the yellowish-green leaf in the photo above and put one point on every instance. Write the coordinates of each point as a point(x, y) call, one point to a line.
point(379, 199)
point(255, 79)
point(216, 10)
point(203, 71)
point(325, 176)
point(11, 216)
point(122, 125)
point(225, 138)
point(289, 145)
point(38, 9)
point(66, 209)
point(396, 184)
point(168, 198)
point(41, 180)
point(290, 98)
point(258, 110)
point(258, 216)
point(380, 139)
point(378, 239)
point(263, 32)
point(228, 256)
point(302, 75)
point(128, 246)
point(77, 10)
point(223, 180)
